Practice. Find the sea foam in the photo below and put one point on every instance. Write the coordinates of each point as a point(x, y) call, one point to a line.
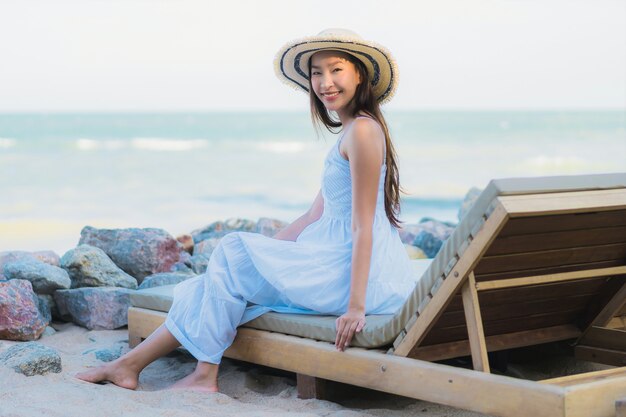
point(161, 144)
point(6, 143)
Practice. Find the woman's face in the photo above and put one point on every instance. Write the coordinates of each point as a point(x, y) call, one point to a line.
point(334, 79)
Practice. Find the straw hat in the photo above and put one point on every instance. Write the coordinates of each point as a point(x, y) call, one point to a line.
point(292, 60)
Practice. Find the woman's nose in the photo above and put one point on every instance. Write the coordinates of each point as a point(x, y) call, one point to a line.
point(326, 81)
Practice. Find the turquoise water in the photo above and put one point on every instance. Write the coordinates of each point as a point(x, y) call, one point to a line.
point(59, 172)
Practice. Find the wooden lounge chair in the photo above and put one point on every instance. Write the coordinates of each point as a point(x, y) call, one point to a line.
point(535, 260)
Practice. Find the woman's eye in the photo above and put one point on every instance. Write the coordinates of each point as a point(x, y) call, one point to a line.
point(337, 69)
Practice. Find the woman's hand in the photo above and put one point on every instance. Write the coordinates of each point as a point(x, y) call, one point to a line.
point(347, 324)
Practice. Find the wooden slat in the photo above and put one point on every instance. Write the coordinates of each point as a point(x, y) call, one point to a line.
point(474, 325)
point(519, 308)
point(549, 291)
point(541, 279)
point(453, 282)
point(595, 354)
point(606, 338)
point(497, 342)
point(557, 240)
point(569, 380)
point(564, 202)
point(555, 269)
point(560, 222)
point(450, 334)
point(549, 258)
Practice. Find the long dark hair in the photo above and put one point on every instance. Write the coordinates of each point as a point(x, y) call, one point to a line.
point(364, 101)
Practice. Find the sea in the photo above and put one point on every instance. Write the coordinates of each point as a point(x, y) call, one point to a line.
point(181, 171)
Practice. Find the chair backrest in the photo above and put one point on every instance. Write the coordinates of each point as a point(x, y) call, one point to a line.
point(521, 270)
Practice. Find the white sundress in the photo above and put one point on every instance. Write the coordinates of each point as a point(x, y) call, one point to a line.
point(250, 274)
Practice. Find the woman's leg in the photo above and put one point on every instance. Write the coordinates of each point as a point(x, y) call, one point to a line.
point(124, 371)
point(204, 378)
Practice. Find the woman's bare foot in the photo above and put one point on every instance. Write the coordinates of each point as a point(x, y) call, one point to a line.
point(116, 372)
point(203, 379)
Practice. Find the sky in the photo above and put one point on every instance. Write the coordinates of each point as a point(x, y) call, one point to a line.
point(188, 55)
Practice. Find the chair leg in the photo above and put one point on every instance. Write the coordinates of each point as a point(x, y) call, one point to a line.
point(311, 387)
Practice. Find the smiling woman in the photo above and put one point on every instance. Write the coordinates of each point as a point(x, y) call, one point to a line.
point(342, 257)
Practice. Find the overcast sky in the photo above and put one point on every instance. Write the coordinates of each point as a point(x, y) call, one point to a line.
point(186, 55)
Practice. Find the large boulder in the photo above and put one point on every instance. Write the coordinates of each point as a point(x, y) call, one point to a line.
point(221, 228)
point(165, 278)
point(269, 227)
point(206, 247)
point(46, 256)
point(428, 235)
point(44, 278)
point(31, 358)
point(20, 318)
point(46, 306)
point(95, 308)
point(89, 266)
point(199, 263)
point(139, 252)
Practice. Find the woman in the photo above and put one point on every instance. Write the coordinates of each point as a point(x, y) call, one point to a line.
point(343, 257)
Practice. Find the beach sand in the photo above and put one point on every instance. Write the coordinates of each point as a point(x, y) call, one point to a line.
point(246, 389)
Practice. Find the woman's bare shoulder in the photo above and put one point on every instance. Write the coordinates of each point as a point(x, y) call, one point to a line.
point(363, 130)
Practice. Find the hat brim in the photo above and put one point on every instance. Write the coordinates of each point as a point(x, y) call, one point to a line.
point(291, 62)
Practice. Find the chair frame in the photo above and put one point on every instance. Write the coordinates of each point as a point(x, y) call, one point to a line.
point(398, 371)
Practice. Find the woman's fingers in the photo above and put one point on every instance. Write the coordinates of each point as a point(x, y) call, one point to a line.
point(346, 327)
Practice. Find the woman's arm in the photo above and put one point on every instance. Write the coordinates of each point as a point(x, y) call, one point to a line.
point(293, 230)
point(365, 154)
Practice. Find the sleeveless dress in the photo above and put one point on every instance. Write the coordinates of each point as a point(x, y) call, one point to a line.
point(250, 274)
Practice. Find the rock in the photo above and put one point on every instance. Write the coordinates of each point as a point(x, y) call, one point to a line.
point(269, 227)
point(182, 268)
point(46, 256)
point(48, 331)
point(31, 358)
point(44, 278)
point(89, 266)
point(108, 355)
point(95, 308)
point(45, 304)
point(20, 318)
point(164, 278)
point(221, 228)
point(138, 252)
point(430, 235)
point(438, 228)
point(187, 243)
point(206, 247)
point(199, 264)
point(468, 201)
point(415, 252)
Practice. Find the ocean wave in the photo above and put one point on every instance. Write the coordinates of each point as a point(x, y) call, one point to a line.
point(142, 144)
point(6, 143)
point(282, 147)
point(160, 144)
point(94, 145)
